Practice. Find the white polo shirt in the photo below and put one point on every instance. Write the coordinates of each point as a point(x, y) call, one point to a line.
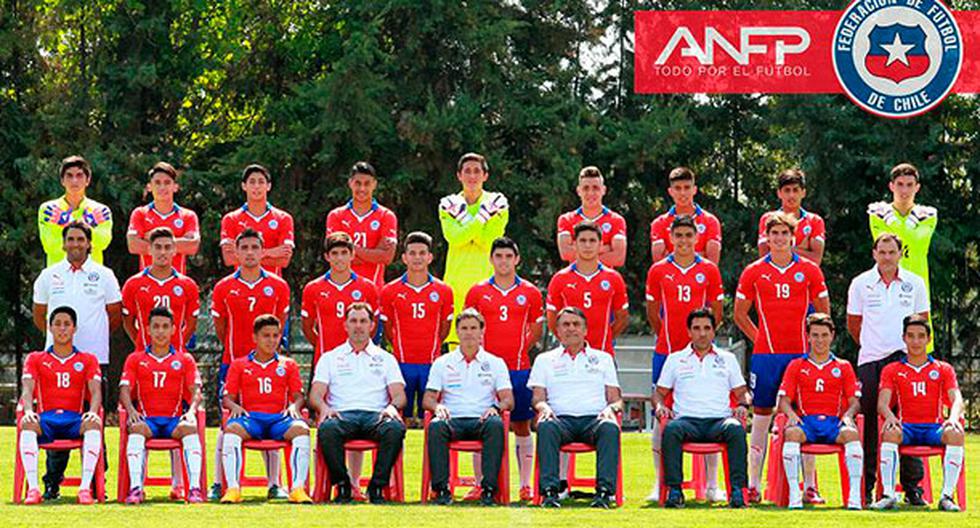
point(576, 386)
point(882, 309)
point(358, 381)
point(87, 290)
point(468, 387)
point(701, 385)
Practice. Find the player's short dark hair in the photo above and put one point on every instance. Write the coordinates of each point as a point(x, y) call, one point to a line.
point(683, 221)
point(472, 156)
point(792, 176)
point(265, 320)
point(471, 313)
point(700, 313)
point(81, 226)
point(572, 310)
point(904, 169)
point(74, 162)
point(338, 239)
point(160, 232)
point(164, 168)
point(590, 172)
point(362, 167)
point(820, 319)
point(255, 167)
point(916, 320)
point(354, 306)
point(248, 232)
point(680, 174)
point(161, 311)
point(64, 310)
point(418, 237)
point(780, 218)
point(885, 237)
point(504, 242)
point(582, 227)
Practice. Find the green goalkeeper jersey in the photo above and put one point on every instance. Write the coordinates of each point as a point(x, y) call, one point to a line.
point(915, 230)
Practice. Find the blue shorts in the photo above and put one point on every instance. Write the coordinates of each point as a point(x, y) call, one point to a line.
point(416, 377)
point(765, 375)
point(222, 376)
point(922, 434)
point(264, 426)
point(820, 428)
point(656, 367)
point(522, 396)
point(162, 426)
point(59, 425)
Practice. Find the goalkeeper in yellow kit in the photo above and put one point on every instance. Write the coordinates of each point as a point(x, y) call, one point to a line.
point(471, 220)
point(54, 215)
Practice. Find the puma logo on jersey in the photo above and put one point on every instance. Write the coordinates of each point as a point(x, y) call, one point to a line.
point(766, 276)
point(669, 276)
point(144, 288)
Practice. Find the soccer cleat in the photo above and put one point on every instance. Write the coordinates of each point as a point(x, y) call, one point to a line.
point(885, 503)
point(654, 495)
point(443, 497)
point(675, 498)
point(754, 496)
point(796, 502)
point(299, 496)
point(812, 496)
point(487, 497)
point(550, 499)
point(177, 493)
point(913, 497)
point(276, 493)
point(215, 494)
point(715, 495)
point(854, 505)
point(33, 497)
point(136, 496)
point(564, 490)
point(195, 496)
point(473, 494)
point(946, 504)
point(52, 493)
point(232, 496)
point(85, 497)
point(525, 494)
point(358, 495)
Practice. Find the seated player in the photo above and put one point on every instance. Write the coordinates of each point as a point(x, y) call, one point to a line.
point(920, 385)
point(157, 378)
point(58, 379)
point(256, 392)
point(818, 385)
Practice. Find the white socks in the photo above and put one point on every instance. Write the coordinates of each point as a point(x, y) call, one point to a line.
point(791, 463)
point(231, 454)
point(28, 457)
point(218, 455)
point(355, 461)
point(563, 467)
point(135, 455)
point(91, 450)
point(952, 464)
point(524, 449)
point(300, 457)
point(193, 456)
point(758, 443)
point(889, 460)
point(854, 459)
point(655, 446)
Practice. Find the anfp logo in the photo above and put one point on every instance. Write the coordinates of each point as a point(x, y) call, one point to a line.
point(897, 58)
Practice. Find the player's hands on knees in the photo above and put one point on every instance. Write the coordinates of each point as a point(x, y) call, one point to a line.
point(135, 418)
point(391, 412)
point(545, 413)
point(292, 412)
point(955, 425)
point(190, 418)
point(91, 417)
point(849, 421)
point(892, 423)
point(741, 413)
point(442, 412)
point(328, 413)
point(238, 411)
point(664, 412)
point(30, 417)
point(794, 419)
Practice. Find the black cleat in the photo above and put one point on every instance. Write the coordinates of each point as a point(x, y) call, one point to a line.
point(52, 493)
point(675, 498)
point(488, 497)
point(376, 495)
point(344, 494)
point(443, 497)
point(737, 500)
point(550, 499)
point(914, 497)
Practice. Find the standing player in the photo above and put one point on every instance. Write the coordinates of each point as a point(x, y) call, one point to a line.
point(417, 310)
point(920, 385)
point(158, 378)
point(810, 231)
point(513, 310)
point(373, 227)
point(471, 220)
point(678, 284)
point(682, 190)
point(819, 396)
point(73, 206)
point(163, 212)
point(598, 291)
point(58, 380)
point(264, 394)
point(235, 303)
point(591, 188)
point(275, 225)
point(782, 285)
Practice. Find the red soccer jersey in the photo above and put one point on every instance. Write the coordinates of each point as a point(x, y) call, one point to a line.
point(599, 295)
point(819, 389)
point(679, 291)
point(159, 384)
point(809, 225)
point(326, 302)
point(367, 231)
point(61, 384)
point(415, 315)
point(709, 228)
point(183, 222)
point(275, 225)
point(610, 223)
point(509, 315)
point(921, 391)
point(782, 298)
point(239, 303)
point(144, 292)
point(264, 388)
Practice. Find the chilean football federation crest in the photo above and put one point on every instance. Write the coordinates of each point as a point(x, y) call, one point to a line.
point(897, 59)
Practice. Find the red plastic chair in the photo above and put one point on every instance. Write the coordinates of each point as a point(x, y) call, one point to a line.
point(324, 489)
point(925, 453)
point(20, 479)
point(777, 489)
point(698, 449)
point(467, 446)
point(245, 481)
point(575, 481)
point(158, 444)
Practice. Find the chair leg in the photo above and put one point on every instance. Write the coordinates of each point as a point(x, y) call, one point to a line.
point(122, 483)
point(698, 480)
point(845, 481)
point(19, 476)
point(620, 494)
point(661, 481)
point(927, 480)
point(961, 487)
point(537, 482)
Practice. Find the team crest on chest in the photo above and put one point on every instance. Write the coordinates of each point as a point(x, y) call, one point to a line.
point(606, 227)
point(835, 372)
point(375, 225)
point(175, 364)
point(521, 299)
point(604, 285)
point(434, 296)
point(93, 277)
point(699, 278)
point(798, 277)
point(934, 375)
point(807, 230)
point(178, 290)
point(267, 291)
point(274, 224)
point(179, 223)
point(78, 366)
point(907, 287)
point(280, 371)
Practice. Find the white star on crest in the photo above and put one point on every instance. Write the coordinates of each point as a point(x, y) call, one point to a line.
point(897, 51)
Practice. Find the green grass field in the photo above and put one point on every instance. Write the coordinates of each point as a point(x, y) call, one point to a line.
point(638, 472)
